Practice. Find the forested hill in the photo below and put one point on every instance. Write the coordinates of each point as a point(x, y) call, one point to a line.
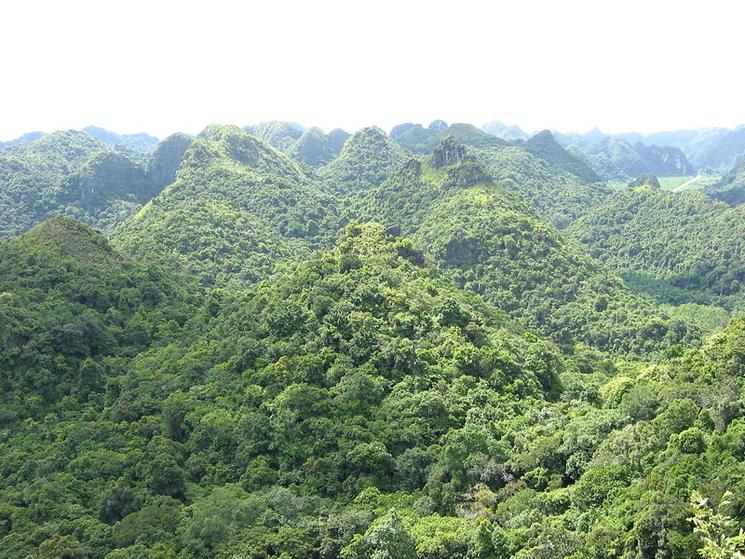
point(276, 342)
point(488, 240)
point(679, 247)
point(616, 159)
point(237, 208)
point(356, 406)
point(75, 174)
point(731, 187)
point(545, 146)
point(73, 311)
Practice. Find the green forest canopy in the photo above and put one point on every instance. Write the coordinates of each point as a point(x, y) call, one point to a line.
point(290, 348)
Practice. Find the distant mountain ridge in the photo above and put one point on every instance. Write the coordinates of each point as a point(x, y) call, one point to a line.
point(310, 146)
point(545, 146)
point(72, 173)
point(505, 131)
point(418, 139)
point(137, 142)
point(140, 142)
point(617, 159)
point(731, 188)
point(707, 149)
point(23, 139)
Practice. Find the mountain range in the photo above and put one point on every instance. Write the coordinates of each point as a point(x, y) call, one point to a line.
point(442, 342)
point(707, 149)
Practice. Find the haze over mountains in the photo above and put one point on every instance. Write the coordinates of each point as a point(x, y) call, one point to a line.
point(443, 342)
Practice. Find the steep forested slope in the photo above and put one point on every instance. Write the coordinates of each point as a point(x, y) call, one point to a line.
point(71, 308)
point(491, 242)
point(71, 173)
point(544, 146)
point(358, 406)
point(237, 208)
point(559, 197)
point(686, 246)
point(618, 160)
point(663, 160)
point(366, 159)
point(731, 187)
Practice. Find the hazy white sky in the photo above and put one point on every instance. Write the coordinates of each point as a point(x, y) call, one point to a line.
point(162, 66)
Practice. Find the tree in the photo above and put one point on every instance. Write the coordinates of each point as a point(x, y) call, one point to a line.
point(718, 532)
point(62, 547)
point(389, 538)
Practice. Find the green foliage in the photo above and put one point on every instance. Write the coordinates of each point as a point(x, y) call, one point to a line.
point(731, 187)
point(366, 160)
point(679, 248)
point(73, 174)
point(286, 388)
point(236, 209)
point(719, 532)
point(72, 306)
point(491, 242)
point(544, 146)
point(389, 538)
point(558, 196)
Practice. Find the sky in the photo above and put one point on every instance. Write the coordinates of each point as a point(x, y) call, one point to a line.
point(163, 67)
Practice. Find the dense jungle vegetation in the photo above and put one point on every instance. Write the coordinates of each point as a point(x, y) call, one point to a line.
point(435, 344)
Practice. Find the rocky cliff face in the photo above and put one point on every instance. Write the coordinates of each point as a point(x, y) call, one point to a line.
point(449, 152)
point(664, 160)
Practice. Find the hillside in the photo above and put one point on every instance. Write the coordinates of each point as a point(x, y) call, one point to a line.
point(544, 146)
point(71, 308)
point(731, 187)
point(366, 159)
point(237, 208)
point(558, 196)
point(71, 173)
point(420, 140)
point(616, 159)
point(678, 247)
point(663, 160)
point(489, 241)
point(356, 406)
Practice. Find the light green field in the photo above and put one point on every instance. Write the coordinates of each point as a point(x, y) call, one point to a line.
point(673, 183)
